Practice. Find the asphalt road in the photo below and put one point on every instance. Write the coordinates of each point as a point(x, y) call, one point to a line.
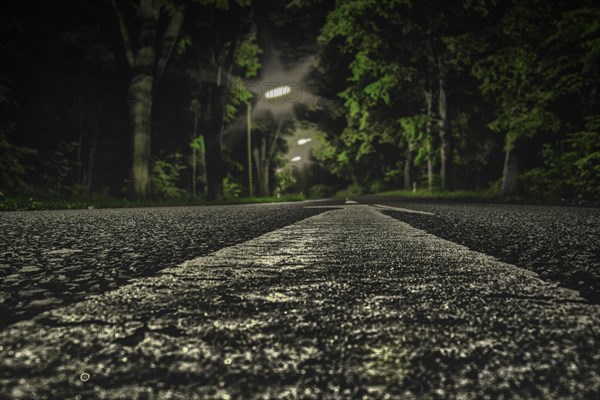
point(290, 301)
point(52, 258)
point(562, 244)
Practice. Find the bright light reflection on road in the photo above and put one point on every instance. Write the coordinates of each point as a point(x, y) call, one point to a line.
point(304, 141)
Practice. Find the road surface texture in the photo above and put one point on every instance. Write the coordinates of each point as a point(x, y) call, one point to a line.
point(51, 258)
point(561, 244)
point(347, 303)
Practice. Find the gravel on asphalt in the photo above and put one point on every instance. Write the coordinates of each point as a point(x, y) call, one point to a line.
point(52, 258)
point(346, 304)
point(562, 244)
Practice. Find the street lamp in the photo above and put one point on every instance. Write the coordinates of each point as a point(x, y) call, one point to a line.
point(271, 94)
point(278, 92)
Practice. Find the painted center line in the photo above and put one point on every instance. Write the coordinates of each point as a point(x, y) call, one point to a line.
point(349, 295)
point(406, 210)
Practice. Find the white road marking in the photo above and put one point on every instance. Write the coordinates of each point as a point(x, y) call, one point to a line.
point(348, 201)
point(406, 210)
point(351, 275)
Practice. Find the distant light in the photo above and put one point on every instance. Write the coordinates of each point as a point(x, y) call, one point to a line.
point(304, 141)
point(278, 92)
point(295, 159)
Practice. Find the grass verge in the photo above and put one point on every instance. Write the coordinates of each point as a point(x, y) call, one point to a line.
point(30, 203)
point(443, 195)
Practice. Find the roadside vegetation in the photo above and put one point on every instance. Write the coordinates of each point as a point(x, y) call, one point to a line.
point(30, 203)
point(468, 99)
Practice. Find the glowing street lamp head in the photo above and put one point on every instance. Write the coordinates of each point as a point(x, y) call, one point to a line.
point(304, 141)
point(278, 92)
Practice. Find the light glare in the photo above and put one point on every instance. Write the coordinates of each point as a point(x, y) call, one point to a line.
point(278, 92)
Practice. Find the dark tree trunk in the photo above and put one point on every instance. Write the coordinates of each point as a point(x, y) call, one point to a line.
point(147, 68)
point(265, 187)
point(510, 173)
point(430, 173)
point(429, 132)
point(214, 158)
point(92, 160)
point(140, 96)
point(407, 169)
point(445, 149)
point(262, 162)
point(214, 161)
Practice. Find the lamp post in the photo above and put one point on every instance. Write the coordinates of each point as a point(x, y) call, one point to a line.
point(271, 94)
point(249, 137)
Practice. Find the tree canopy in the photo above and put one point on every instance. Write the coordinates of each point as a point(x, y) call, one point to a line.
point(152, 99)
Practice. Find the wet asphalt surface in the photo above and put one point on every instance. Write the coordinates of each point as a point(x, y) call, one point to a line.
point(562, 244)
point(349, 303)
point(343, 303)
point(52, 258)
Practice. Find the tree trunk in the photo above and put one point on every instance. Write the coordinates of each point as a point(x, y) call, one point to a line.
point(140, 90)
point(92, 161)
point(429, 132)
point(144, 74)
point(407, 169)
point(214, 160)
point(80, 172)
point(445, 151)
point(259, 166)
point(202, 162)
point(430, 173)
point(140, 96)
point(510, 173)
point(265, 190)
point(266, 186)
point(194, 162)
point(249, 147)
point(262, 161)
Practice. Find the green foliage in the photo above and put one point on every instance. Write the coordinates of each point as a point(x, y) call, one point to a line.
point(231, 190)
point(15, 161)
point(247, 55)
point(376, 187)
point(571, 168)
point(415, 134)
point(236, 98)
point(397, 49)
point(476, 195)
point(351, 191)
point(332, 157)
point(184, 42)
point(529, 68)
point(320, 191)
point(57, 169)
point(165, 177)
point(198, 144)
point(285, 180)
point(218, 4)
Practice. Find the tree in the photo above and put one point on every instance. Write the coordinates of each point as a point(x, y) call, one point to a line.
point(215, 65)
point(531, 68)
point(394, 76)
point(198, 148)
point(268, 142)
point(147, 61)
